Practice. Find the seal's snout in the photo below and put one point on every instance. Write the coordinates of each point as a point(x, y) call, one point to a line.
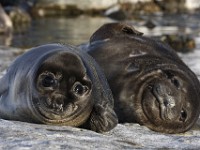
point(170, 102)
point(56, 101)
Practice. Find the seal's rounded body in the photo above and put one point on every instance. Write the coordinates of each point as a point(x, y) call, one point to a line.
point(56, 84)
point(150, 84)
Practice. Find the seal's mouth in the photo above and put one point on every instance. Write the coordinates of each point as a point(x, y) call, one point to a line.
point(171, 107)
point(167, 101)
point(60, 110)
point(57, 106)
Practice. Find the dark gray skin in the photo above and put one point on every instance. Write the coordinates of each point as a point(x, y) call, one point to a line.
point(150, 84)
point(58, 85)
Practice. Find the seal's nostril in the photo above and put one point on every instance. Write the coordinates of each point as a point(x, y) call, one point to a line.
point(166, 103)
point(60, 101)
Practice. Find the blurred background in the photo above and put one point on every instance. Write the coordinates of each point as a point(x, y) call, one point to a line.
point(28, 23)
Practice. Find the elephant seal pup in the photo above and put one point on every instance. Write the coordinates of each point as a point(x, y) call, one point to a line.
point(58, 85)
point(150, 83)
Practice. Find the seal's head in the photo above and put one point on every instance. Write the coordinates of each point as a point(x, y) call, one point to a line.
point(64, 90)
point(166, 101)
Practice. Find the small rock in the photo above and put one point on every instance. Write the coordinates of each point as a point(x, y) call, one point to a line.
point(19, 16)
point(180, 43)
point(115, 13)
point(150, 24)
point(148, 7)
point(56, 10)
point(171, 6)
point(6, 25)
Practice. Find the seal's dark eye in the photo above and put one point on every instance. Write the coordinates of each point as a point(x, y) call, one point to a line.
point(79, 89)
point(48, 81)
point(183, 116)
point(176, 83)
point(127, 30)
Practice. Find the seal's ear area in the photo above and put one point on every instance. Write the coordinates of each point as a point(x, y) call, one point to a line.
point(131, 31)
point(103, 118)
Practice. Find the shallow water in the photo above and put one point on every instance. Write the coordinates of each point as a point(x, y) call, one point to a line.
point(78, 30)
point(57, 30)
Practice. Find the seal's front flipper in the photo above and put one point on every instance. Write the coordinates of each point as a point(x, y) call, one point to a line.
point(103, 118)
